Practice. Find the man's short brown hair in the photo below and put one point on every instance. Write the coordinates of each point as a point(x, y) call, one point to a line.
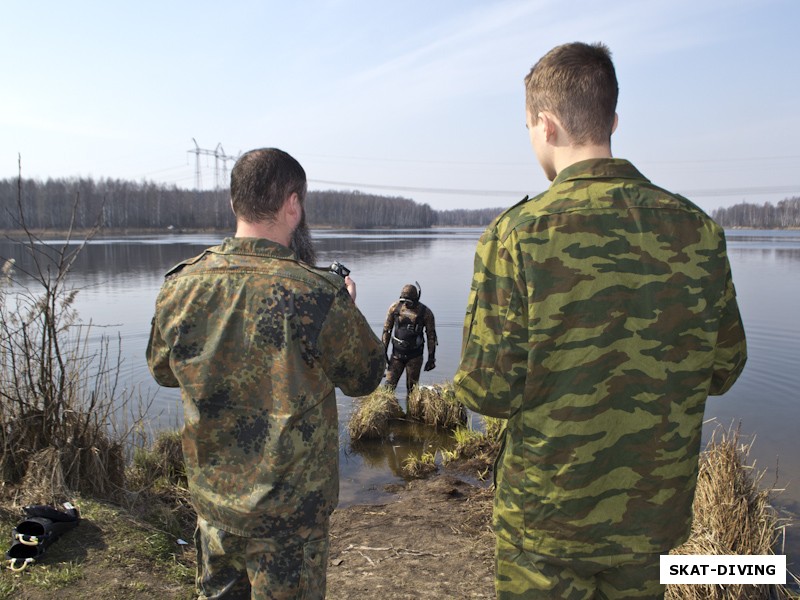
point(262, 180)
point(577, 83)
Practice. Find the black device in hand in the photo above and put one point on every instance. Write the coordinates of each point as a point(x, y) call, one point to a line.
point(339, 269)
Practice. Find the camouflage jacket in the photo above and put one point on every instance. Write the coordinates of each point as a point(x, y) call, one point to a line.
point(412, 321)
point(602, 314)
point(257, 340)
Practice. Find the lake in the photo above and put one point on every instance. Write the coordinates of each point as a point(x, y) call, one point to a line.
point(119, 278)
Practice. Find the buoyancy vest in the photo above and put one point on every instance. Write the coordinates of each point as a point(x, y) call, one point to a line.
point(407, 338)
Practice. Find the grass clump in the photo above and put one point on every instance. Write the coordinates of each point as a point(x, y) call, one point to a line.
point(732, 515)
point(157, 488)
point(418, 467)
point(436, 405)
point(163, 461)
point(370, 419)
point(476, 445)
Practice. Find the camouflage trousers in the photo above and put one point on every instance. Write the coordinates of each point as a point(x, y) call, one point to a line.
point(231, 567)
point(522, 575)
point(398, 364)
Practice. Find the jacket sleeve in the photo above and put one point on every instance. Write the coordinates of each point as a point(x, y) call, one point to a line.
point(158, 354)
point(351, 354)
point(731, 350)
point(491, 376)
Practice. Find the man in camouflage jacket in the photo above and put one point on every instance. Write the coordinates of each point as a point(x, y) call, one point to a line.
point(408, 323)
point(257, 340)
point(602, 314)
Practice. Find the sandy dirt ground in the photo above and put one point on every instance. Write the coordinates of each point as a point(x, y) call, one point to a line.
point(432, 541)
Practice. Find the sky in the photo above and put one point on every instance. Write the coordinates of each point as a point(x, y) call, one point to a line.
point(419, 99)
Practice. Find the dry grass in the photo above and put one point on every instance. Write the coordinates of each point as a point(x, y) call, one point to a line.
point(732, 515)
point(157, 488)
point(370, 419)
point(436, 405)
point(164, 460)
point(55, 475)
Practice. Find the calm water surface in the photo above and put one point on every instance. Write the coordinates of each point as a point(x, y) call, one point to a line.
point(120, 278)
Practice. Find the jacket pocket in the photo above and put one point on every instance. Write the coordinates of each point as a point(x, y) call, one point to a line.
point(315, 566)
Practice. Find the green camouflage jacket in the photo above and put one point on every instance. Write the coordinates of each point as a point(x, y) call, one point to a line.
point(257, 340)
point(602, 314)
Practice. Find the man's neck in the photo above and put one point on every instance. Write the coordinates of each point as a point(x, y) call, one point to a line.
point(566, 156)
point(269, 231)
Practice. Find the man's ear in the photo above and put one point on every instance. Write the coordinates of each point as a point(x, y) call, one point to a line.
point(293, 210)
point(616, 122)
point(549, 124)
point(292, 205)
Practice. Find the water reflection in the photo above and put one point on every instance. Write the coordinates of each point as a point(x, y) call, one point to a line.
point(406, 439)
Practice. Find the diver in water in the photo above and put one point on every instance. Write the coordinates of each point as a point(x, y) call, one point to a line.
point(408, 323)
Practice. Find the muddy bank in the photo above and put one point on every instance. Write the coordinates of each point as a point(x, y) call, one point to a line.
point(433, 539)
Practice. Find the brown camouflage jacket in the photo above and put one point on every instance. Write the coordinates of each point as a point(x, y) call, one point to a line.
point(602, 314)
point(257, 340)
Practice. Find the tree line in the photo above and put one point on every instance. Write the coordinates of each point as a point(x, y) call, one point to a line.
point(57, 204)
point(784, 215)
point(363, 211)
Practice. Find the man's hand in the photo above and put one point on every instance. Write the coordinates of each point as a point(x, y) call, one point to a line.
point(351, 287)
point(431, 364)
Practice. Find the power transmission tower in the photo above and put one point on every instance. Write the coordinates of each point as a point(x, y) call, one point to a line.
point(219, 155)
point(224, 158)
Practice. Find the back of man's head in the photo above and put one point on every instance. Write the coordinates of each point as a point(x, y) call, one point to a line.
point(262, 180)
point(577, 83)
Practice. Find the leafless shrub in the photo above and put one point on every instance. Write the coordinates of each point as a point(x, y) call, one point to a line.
point(64, 418)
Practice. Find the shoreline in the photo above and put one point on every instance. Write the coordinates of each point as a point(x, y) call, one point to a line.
point(80, 234)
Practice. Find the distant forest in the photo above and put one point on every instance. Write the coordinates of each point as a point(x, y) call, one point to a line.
point(784, 215)
point(127, 205)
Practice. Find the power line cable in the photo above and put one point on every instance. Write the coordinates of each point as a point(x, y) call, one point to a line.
point(529, 163)
point(781, 189)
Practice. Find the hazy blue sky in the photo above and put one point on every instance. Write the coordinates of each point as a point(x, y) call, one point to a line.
point(422, 99)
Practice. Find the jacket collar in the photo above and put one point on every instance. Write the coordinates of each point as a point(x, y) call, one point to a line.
point(599, 168)
point(254, 247)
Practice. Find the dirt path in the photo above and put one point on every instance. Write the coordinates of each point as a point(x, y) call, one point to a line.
point(433, 541)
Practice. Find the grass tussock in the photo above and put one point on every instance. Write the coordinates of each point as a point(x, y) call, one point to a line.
point(163, 461)
point(732, 515)
point(478, 447)
point(55, 475)
point(370, 419)
point(418, 467)
point(156, 486)
point(436, 405)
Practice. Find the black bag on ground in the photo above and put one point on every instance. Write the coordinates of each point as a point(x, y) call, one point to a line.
point(43, 526)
